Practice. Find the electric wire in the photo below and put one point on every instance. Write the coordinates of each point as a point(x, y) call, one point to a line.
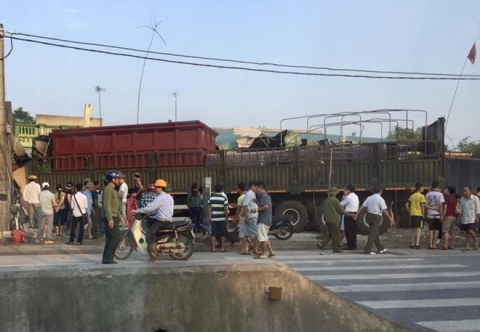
point(464, 78)
point(242, 61)
point(11, 48)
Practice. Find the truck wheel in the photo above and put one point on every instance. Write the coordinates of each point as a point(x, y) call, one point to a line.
point(319, 220)
point(363, 228)
point(295, 209)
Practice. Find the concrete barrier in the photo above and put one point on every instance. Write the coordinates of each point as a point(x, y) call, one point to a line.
point(176, 298)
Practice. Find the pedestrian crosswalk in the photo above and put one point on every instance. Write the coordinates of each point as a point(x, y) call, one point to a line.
point(423, 294)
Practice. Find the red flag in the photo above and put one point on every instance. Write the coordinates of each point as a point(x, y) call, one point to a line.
point(472, 55)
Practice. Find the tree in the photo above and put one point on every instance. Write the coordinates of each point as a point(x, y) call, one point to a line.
point(21, 116)
point(405, 134)
point(473, 147)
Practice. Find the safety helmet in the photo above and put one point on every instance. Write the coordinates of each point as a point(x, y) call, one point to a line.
point(151, 186)
point(160, 183)
point(112, 174)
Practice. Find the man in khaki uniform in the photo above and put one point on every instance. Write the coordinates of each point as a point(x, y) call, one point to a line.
point(332, 210)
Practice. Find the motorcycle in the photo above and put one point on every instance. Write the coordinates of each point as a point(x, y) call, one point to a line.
point(175, 239)
point(281, 228)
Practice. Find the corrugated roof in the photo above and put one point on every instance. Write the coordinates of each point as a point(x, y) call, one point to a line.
point(19, 153)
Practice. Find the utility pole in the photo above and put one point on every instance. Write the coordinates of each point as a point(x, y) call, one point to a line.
point(175, 94)
point(99, 89)
point(5, 148)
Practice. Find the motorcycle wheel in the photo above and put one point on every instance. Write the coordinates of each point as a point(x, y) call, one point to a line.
point(124, 249)
point(189, 248)
point(284, 232)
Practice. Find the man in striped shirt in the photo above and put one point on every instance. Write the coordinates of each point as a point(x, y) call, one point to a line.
point(217, 216)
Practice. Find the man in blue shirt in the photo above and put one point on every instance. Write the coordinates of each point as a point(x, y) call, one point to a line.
point(161, 210)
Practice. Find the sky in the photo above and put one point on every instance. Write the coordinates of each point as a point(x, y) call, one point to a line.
point(408, 35)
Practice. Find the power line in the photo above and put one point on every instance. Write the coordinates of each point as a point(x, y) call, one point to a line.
point(11, 48)
point(243, 61)
point(432, 78)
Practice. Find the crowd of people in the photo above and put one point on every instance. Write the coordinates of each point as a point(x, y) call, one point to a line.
point(444, 214)
point(253, 216)
point(339, 228)
point(83, 210)
point(60, 213)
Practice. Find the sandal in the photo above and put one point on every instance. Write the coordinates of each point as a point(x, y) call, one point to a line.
point(245, 253)
point(465, 249)
point(271, 255)
point(260, 257)
point(211, 250)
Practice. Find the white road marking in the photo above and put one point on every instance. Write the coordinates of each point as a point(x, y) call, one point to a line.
point(403, 287)
point(319, 260)
point(431, 303)
point(394, 276)
point(467, 325)
point(381, 267)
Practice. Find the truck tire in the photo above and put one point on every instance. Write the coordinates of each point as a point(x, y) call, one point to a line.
point(363, 228)
point(295, 209)
point(319, 220)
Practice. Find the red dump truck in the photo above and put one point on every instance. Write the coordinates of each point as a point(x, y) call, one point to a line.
point(297, 177)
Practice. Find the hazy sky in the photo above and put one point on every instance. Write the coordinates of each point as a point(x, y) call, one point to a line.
point(407, 35)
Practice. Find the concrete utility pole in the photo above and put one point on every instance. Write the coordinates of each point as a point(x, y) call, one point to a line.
point(5, 148)
point(175, 94)
point(99, 89)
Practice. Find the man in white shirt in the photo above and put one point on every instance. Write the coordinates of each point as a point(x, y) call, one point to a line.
point(350, 203)
point(435, 204)
point(250, 211)
point(122, 201)
point(469, 217)
point(79, 205)
point(375, 206)
point(31, 194)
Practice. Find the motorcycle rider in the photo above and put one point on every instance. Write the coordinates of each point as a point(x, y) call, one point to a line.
point(161, 210)
point(110, 215)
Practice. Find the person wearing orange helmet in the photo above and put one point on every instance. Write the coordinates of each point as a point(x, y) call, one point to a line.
point(161, 211)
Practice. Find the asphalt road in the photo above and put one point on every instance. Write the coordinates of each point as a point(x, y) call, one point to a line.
point(422, 290)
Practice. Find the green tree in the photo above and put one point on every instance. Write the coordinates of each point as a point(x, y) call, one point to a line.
point(405, 134)
point(21, 116)
point(466, 145)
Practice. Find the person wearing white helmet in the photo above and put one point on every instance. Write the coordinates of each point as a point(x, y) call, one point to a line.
point(45, 220)
point(161, 210)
